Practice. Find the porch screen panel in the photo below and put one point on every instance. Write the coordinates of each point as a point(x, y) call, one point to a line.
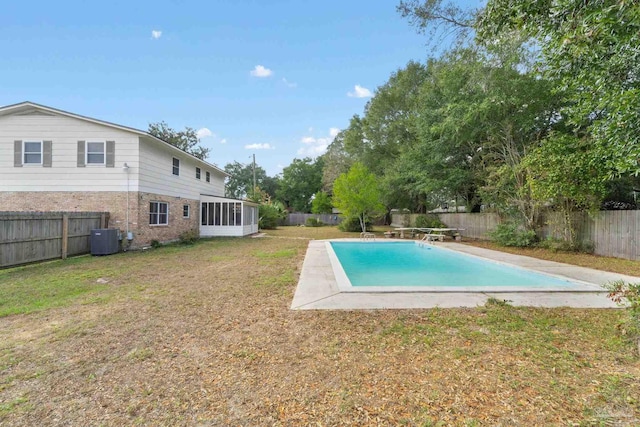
point(212, 213)
point(225, 213)
point(246, 213)
point(232, 214)
point(204, 214)
point(216, 219)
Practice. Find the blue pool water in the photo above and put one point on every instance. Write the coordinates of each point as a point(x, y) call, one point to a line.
point(411, 264)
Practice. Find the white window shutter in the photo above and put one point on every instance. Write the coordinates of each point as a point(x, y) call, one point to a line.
point(110, 154)
point(17, 154)
point(46, 153)
point(81, 154)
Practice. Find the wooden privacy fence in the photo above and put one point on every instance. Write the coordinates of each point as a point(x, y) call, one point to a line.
point(301, 218)
point(37, 236)
point(613, 233)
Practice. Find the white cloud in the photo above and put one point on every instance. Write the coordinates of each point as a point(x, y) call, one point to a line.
point(261, 71)
point(156, 34)
point(308, 140)
point(288, 83)
point(223, 141)
point(259, 147)
point(203, 133)
point(360, 92)
point(313, 146)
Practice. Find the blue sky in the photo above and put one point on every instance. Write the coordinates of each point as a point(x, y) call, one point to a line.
point(272, 78)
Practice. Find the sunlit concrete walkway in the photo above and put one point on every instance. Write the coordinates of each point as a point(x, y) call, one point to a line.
point(318, 288)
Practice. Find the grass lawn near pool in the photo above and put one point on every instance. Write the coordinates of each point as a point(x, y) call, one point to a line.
point(203, 335)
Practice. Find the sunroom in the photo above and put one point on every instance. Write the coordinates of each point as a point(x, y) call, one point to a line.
point(220, 216)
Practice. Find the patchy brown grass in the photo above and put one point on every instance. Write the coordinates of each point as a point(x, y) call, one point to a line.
point(203, 335)
point(615, 265)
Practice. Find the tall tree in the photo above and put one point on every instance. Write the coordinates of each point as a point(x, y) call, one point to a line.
point(389, 124)
point(300, 180)
point(591, 49)
point(466, 105)
point(186, 140)
point(438, 19)
point(240, 184)
point(336, 162)
point(357, 195)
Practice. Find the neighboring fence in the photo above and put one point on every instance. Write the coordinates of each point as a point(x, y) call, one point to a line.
point(613, 233)
point(301, 218)
point(37, 236)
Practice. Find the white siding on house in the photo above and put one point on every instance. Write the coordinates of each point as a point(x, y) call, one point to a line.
point(156, 173)
point(64, 174)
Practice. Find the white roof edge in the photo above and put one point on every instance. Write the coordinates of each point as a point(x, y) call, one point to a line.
point(8, 108)
point(229, 198)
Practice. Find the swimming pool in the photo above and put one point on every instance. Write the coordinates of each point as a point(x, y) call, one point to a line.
point(415, 266)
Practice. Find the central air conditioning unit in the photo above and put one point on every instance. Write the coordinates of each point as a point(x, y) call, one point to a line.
point(105, 241)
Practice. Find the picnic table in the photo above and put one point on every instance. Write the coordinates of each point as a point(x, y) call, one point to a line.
point(430, 233)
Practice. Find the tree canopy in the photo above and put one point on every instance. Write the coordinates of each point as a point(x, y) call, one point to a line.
point(186, 140)
point(591, 51)
point(321, 203)
point(357, 195)
point(240, 184)
point(300, 180)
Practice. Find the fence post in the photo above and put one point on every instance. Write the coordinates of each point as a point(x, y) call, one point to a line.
point(65, 235)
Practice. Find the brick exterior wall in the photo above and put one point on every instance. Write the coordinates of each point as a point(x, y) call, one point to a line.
point(116, 204)
point(177, 224)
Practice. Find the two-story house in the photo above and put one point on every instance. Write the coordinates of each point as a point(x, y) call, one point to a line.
point(53, 160)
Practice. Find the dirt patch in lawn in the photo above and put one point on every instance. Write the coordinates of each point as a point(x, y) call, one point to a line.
point(203, 335)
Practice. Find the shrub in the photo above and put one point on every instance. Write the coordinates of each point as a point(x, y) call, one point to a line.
point(313, 222)
point(189, 237)
point(155, 243)
point(628, 295)
point(429, 221)
point(353, 225)
point(270, 215)
point(510, 234)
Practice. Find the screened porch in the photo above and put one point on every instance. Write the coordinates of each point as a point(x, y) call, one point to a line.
point(220, 216)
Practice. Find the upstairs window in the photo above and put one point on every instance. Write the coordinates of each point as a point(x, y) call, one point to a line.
point(197, 173)
point(208, 177)
point(176, 166)
point(95, 153)
point(158, 213)
point(32, 153)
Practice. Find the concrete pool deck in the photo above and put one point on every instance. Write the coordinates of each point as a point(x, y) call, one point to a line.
point(318, 288)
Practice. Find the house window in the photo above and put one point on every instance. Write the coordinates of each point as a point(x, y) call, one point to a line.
point(32, 153)
point(95, 153)
point(208, 177)
point(185, 211)
point(158, 213)
point(197, 173)
point(176, 166)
